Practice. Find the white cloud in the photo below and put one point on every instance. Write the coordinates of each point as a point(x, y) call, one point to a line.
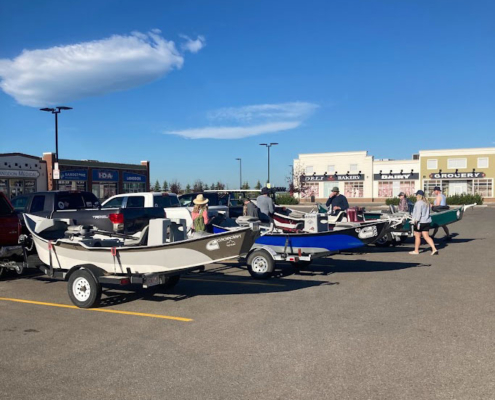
point(295, 110)
point(66, 73)
point(193, 45)
point(235, 132)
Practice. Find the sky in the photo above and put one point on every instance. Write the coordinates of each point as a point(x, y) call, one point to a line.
point(192, 85)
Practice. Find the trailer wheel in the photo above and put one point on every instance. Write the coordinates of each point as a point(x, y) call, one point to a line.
point(84, 289)
point(3, 271)
point(171, 281)
point(384, 241)
point(260, 264)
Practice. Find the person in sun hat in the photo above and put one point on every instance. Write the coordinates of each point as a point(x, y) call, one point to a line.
point(200, 213)
point(338, 202)
point(421, 222)
point(403, 206)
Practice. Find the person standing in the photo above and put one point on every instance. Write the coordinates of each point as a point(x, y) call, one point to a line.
point(337, 201)
point(250, 209)
point(403, 205)
point(421, 222)
point(440, 202)
point(265, 205)
point(200, 213)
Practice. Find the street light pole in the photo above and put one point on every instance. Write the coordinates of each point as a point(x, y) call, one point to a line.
point(56, 111)
point(268, 147)
point(240, 172)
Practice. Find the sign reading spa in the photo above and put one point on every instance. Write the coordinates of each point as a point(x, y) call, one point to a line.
point(105, 175)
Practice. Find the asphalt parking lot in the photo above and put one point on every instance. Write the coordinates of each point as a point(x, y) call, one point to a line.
point(376, 324)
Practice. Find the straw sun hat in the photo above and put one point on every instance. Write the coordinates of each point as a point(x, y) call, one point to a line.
point(199, 200)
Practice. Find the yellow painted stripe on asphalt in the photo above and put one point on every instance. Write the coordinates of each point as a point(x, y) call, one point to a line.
point(238, 282)
point(42, 303)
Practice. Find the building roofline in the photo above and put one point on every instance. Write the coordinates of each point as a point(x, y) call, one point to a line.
point(22, 155)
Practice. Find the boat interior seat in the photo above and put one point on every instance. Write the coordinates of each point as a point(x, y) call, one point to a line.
point(50, 229)
point(141, 239)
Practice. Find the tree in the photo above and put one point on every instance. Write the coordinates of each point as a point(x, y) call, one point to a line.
point(258, 185)
point(188, 188)
point(213, 187)
point(296, 180)
point(198, 186)
point(245, 186)
point(220, 186)
point(156, 188)
point(175, 187)
point(165, 186)
point(206, 187)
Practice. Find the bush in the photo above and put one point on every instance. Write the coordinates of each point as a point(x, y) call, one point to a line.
point(459, 199)
point(286, 199)
point(395, 200)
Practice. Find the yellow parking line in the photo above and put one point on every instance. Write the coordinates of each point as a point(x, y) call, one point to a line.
point(41, 303)
point(238, 282)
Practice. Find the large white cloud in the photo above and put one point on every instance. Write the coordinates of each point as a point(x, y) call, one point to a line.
point(235, 132)
point(63, 74)
point(251, 120)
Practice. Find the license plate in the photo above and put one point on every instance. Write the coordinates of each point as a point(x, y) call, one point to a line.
point(152, 280)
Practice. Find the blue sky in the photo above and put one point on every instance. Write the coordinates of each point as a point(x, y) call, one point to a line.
point(390, 77)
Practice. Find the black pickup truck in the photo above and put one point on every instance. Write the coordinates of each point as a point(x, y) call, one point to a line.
point(82, 208)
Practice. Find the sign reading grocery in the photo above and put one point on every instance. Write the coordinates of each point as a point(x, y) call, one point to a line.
point(458, 175)
point(396, 176)
point(130, 177)
point(329, 178)
point(74, 175)
point(105, 175)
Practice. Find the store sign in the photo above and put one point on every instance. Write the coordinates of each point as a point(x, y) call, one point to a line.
point(130, 177)
point(330, 178)
point(11, 173)
point(459, 175)
point(74, 175)
point(105, 175)
point(396, 176)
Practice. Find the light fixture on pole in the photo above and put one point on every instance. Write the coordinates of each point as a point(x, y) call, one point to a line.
point(56, 111)
point(268, 145)
point(240, 172)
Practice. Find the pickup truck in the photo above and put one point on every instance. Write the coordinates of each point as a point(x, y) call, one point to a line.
point(10, 229)
point(76, 206)
point(168, 201)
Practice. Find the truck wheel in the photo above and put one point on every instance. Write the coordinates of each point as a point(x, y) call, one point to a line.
point(171, 281)
point(260, 264)
point(84, 289)
point(384, 241)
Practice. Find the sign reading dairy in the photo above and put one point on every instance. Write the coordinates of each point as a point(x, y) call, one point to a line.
point(105, 175)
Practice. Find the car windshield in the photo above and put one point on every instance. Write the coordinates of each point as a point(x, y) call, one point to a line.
point(19, 203)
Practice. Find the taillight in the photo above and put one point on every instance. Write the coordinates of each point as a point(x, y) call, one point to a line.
point(116, 218)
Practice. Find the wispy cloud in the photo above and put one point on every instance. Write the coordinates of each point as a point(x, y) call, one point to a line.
point(66, 73)
point(234, 132)
point(251, 120)
point(193, 45)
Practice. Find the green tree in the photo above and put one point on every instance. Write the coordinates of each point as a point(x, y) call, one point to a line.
point(220, 186)
point(198, 186)
point(188, 188)
point(165, 187)
point(213, 187)
point(245, 186)
point(206, 187)
point(258, 185)
point(175, 187)
point(156, 188)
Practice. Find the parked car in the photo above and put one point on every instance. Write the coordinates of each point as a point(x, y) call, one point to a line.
point(10, 230)
point(168, 201)
point(216, 203)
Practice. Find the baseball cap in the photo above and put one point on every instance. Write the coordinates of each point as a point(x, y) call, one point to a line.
point(420, 192)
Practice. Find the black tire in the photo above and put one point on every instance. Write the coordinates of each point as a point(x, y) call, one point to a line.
point(260, 264)
point(403, 239)
point(3, 271)
point(302, 264)
point(84, 289)
point(171, 281)
point(384, 241)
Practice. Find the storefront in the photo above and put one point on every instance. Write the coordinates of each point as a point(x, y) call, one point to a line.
point(21, 174)
point(390, 177)
point(462, 171)
point(76, 179)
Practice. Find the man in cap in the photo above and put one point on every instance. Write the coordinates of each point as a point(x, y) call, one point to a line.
point(337, 201)
point(265, 205)
point(439, 204)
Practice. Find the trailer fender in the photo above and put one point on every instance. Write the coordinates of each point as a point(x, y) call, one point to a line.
point(93, 269)
point(268, 249)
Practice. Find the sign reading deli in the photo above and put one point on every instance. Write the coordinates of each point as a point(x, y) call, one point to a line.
point(459, 175)
point(329, 178)
point(396, 176)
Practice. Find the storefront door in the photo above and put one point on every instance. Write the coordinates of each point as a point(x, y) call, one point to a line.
point(457, 187)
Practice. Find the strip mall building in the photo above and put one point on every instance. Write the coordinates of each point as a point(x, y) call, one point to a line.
point(361, 178)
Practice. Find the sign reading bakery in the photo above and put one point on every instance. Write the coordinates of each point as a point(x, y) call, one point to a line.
point(458, 175)
point(330, 178)
point(396, 176)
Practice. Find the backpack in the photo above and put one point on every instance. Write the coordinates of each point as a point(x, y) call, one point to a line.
point(199, 222)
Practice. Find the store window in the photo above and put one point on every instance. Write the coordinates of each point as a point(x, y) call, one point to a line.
point(484, 187)
point(134, 187)
point(432, 164)
point(385, 189)
point(408, 187)
point(483, 162)
point(4, 186)
point(353, 189)
point(104, 191)
point(456, 163)
point(79, 186)
point(393, 188)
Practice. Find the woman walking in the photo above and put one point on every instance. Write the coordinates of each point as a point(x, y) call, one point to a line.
point(200, 213)
point(421, 222)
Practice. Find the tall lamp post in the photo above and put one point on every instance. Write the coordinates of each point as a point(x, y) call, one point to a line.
point(268, 145)
point(56, 111)
point(240, 172)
